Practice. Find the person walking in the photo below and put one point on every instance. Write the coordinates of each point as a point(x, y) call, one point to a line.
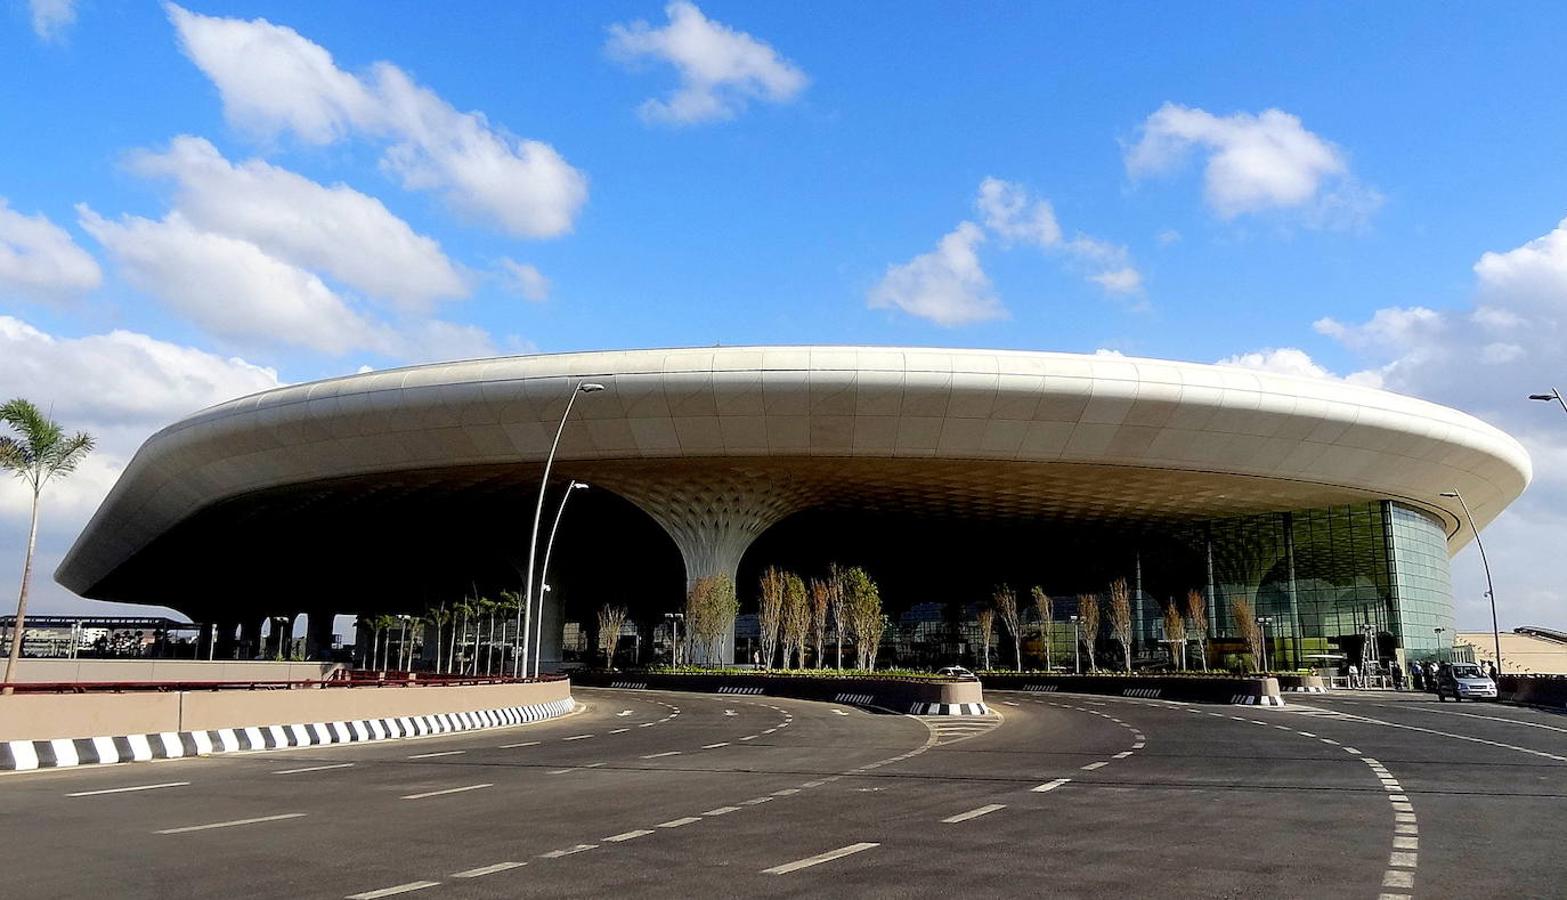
point(1397, 673)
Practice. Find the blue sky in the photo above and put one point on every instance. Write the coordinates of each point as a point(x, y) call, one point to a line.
point(1319, 179)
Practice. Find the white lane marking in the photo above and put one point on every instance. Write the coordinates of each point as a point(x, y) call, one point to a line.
point(577, 737)
point(438, 753)
point(231, 824)
point(1460, 737)
point(1404, 842)
point(127, 790)
point(715, 746)
point(648, 724)
point(975, 813)
point(393, 890)
point(488, 870)
point(812, 784)
point(820, 858)
point(1094, 765)
point(628, 835)
point(665, 753)
point(722, 811)
point(619, 730)
point(749, 737)
point(1444, 712)
point(1352, 750)
point(676, 823)
point(1050, 785)
point(1406, 828)
point(1328, 741)
point(730, 712)
point(312, 769)
point(1123, 754)
point(756, 800)
point(769, 731)
point(1305, 734)
point(1139, 745)
point(622, 713)
point(523, 744)
point(840, 712)
point(785, 792)
point(561, 771)
point(557, 854)
point(455, 790)
point(1402, 859)
point(1398, 879)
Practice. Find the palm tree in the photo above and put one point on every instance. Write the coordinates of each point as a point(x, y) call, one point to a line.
point(39, 453)
point(487, 609)
point(383, 624)
point(437, 616)
point(510, 604)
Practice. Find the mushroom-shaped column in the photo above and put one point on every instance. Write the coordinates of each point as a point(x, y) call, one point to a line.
point(714, 515)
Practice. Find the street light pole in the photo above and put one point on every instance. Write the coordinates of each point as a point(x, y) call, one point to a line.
point(1077, 648)
point(520, 663)
point(544, 573)
point(1553, 395)
point(1490, 589)
point(1263, 622)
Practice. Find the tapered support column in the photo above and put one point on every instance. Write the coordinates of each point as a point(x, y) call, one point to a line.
point(250, 638)
point(318, 637)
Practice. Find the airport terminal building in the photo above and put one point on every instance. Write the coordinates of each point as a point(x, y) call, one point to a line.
point(942, 472)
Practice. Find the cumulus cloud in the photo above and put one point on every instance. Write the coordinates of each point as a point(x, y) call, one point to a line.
point(1255, 163)
point(52, 17)
point(273, 80)
point(526, 280)
point(720, 69)
point(1485, 359)
point(1282, 361)
point(947, 285)
point(1119, 281)
point(337, 230)
point(1015, 216)
point(38, 259)
point(231, 287)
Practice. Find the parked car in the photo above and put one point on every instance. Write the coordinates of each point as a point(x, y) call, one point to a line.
point(955, 672)
point(1463, 681)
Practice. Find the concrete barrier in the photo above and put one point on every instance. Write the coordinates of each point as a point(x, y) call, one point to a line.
point(43, 730)
point(36, 671)
point(1533, 690)
point(905, 695)
point(1302, 684)
point(1248, 691)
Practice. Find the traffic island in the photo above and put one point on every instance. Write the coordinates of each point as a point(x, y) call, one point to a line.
point(50, 730)
point(902, 694)
point(1240, 690)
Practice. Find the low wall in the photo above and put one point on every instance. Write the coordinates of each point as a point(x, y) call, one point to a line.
point(1304, 684)
point(1255, 691)
point(51, 716)
point(35, 671)
point(1532, 690)
point(900, 694)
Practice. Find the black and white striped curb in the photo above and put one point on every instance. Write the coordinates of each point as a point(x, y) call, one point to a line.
point(948, 709)
point(1152, 693)
point(1307, 690)
point(855, 698)
point(1255, 700)
point(738, 689)
point(61, 752)
point(629, 685)
point(1041, 688)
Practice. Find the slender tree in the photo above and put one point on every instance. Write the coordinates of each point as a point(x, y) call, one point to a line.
point(1197, 623)
point(1006, 609)
point(710, 612)
point(1121, 619)
point(384, 624)
point(38, 452)
point(611, 620)
point(836, 598)
point(436, 617)
point(770, 612)
point(1088, 623)
point(1175, 633)
point(1045, 607)
point(511, 605)
point(797, 619)
point(863, 600)
point(1246, 626)
point(987, 628)
point(820, 601)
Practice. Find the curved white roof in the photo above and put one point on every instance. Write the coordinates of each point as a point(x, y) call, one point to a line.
point(1053, 432)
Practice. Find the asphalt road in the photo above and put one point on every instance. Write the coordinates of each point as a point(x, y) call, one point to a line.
point(675, 795)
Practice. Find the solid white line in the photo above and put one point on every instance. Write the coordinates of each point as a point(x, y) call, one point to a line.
point(1094, 765)
point(456, 790)
point(312, 769)
point(676, 823)
point(440, 753)
point(628, 835)
point(523, 744)
point(396, 889)
point(488, 870)
point(255, 821)
point(820, 858)
point(665, 753)
point(126, 790)
point(1050, 785)
point(985, 810)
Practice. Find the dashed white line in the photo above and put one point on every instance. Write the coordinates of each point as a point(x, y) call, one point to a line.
point(715, 746)
point(820, 858)
point(619, 730)
point(577, 737)
point(975, 813)
point(722, 811)
point(1094, 765)
point(230, 824)
point(131, 789)
point(438, 753)
point(441, 793)
point(523, 744)
point(676, 823)
point(1050, 785)
point(394, 890)
point(659, 755)
point(557, 854)
point(488, 870)
point(1123, 754)
point(312, 769)
point(755, 801)
point(629, 835)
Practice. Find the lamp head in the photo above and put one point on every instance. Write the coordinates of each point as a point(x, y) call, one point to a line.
point(578, 485)
point(1451, 494)
point(1546, 397)
point(589, 387)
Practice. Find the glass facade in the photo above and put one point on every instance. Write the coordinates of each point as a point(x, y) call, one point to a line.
point(1422, 583)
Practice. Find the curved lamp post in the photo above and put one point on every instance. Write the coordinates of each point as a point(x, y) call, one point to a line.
point(1490, 589)
point(1553, 395)
point(544, 573)
point(520, 650)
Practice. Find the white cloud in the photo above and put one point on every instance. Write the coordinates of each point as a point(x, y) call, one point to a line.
point(1119, 281)
point(1167, 237)
point(38, 258)
point(946, 286)
point(1486, 360)
point(120, 387)
point(1254, 163)
point(1012, 215)
point(273, 80)
point(1281, 361)
point(336, 230)
point(720, 68)
point(231, 287)
point(525, 280)
point(52, 17)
